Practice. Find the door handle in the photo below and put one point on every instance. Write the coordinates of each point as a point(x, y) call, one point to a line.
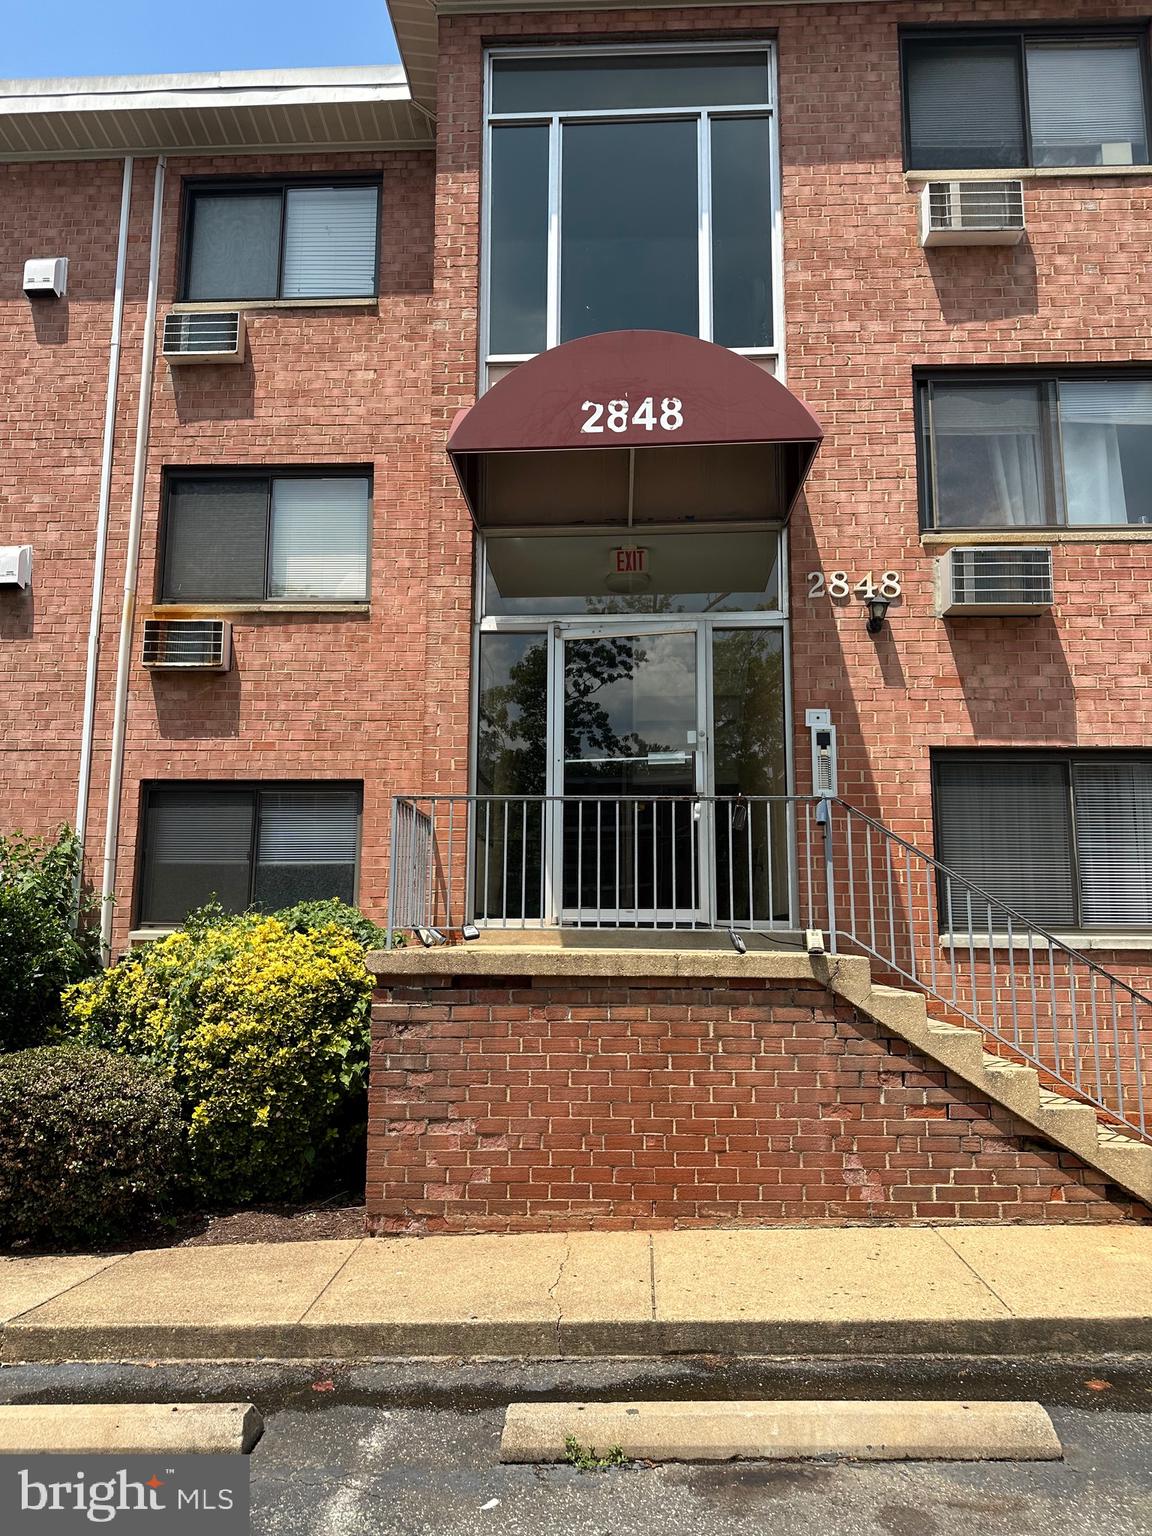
point(652, 759)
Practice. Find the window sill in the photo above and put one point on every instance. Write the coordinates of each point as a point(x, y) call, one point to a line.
point(214, 610)
point(947, 537)
point(1095, 939)
point(1028, 173)
point(247, 306)
point(140, 936)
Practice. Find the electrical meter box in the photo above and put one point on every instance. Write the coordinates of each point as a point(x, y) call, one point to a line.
point(15, 565)
point(46, 277)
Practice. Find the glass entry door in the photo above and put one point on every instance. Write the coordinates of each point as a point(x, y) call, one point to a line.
point(629, 763)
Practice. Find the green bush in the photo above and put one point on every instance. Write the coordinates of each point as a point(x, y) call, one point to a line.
point(41, 949)
point(92, 1147)
point(333, 913)
point(265, 1032)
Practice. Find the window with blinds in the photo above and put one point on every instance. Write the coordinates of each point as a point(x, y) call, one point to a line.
point(1045, 450)
point(1012, 99)
point(264, 846)
point(1063, 840)
point(248, 538)
point(281, 241)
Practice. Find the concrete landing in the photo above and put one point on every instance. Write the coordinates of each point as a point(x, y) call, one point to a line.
point(826, 1291)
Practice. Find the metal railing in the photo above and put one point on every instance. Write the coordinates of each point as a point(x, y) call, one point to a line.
point(589, 861)
point(1034, 996)
point(776, 865)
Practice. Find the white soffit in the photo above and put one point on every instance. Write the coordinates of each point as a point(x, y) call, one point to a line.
point(241, 112)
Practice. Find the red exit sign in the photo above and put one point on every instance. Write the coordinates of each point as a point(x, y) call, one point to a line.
point(631, 560)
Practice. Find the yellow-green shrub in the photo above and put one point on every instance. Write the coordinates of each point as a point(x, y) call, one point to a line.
point(265, 1032)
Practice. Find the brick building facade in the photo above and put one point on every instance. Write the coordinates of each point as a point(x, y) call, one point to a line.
point(382, 695)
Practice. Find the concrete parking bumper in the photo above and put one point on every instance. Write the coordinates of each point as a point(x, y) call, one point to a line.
point(781, 1431)
point(127, 1429)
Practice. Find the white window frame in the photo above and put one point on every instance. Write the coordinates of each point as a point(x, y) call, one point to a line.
point(773, 354)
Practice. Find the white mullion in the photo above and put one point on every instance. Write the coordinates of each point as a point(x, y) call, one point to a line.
point(704, 204)
point(603, 114)
point(484, 337)
point(552, 323)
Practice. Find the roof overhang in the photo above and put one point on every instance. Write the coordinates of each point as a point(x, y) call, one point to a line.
point(241, 112)
point(706, 436)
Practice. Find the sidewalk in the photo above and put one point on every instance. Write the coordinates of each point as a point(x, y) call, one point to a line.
point(969, 1290)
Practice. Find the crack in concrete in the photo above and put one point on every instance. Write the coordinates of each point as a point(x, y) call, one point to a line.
point(983, 1279)
point(555, 1286)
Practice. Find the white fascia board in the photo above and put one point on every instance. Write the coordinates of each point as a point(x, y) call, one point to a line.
point(242, 88)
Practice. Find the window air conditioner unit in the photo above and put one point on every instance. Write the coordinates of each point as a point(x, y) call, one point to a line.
point(972, 213)
point(187, 645)
point(994, 578)
point(204, 336)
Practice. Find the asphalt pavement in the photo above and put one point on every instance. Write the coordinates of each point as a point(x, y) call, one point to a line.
point(409, 1449)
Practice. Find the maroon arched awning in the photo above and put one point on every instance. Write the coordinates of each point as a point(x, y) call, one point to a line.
point(633, 427)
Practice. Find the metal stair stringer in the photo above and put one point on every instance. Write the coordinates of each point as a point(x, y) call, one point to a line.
point(1064, 1121)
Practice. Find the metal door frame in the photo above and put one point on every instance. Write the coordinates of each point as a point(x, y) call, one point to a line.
point(561, 631)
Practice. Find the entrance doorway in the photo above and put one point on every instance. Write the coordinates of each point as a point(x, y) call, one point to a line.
point(631, 773)
point(631, 761)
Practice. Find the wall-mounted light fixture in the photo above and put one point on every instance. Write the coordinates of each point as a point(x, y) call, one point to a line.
point(877, 610)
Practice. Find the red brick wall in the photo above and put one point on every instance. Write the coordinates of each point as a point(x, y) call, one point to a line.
point(324, 696)
point(53, 365)
point(311, 696)
point(521, 1106)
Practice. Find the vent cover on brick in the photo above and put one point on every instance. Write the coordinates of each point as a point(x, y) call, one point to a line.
point(993, 578)
point(972, 213)
point(187, 645)
point(204, 336)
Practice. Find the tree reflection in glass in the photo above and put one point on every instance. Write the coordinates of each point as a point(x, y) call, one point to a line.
point(748, 743)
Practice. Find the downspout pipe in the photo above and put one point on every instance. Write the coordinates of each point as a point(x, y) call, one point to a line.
point(103, 506)
point(131, 561)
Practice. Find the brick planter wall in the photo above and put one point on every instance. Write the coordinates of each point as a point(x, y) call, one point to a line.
point(534, 1104)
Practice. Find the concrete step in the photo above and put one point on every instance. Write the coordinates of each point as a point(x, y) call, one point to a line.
point(956, 1046)
point(1059, 1118)
point(1018, 1086)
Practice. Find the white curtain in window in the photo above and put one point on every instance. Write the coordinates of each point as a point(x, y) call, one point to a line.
point(1092, 414)
point(989, 445)
point(1016, 476)
point(1086, 104)
point(319, 540)
point(330, 243)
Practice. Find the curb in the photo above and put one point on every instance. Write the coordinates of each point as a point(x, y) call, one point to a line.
point(31, 1343)
point(126, 1429)
point(782, 1431)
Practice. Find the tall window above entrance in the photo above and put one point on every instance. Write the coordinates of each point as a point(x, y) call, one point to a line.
point(627, 190)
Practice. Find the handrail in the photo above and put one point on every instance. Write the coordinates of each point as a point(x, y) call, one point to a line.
point(993, 901)
point(1063, 1013)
